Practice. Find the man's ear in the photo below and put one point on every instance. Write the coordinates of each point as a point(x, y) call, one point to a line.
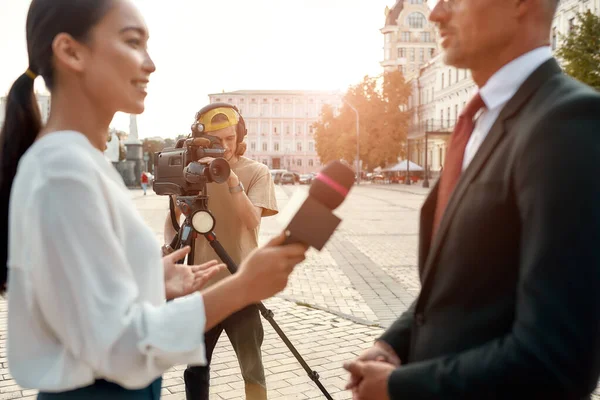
point(241, 149)
point(68, 52)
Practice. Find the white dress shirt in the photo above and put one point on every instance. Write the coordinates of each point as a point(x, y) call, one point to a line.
point(498, 90)
point(86, 295)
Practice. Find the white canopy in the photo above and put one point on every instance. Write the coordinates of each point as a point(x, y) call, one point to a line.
point(401, 166)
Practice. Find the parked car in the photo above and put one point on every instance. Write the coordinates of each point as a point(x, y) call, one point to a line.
point(306, 179)
point(287, 178)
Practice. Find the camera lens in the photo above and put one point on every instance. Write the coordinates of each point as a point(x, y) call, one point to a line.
point(218, 170)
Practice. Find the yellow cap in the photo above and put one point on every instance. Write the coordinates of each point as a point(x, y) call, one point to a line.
point(206, 118)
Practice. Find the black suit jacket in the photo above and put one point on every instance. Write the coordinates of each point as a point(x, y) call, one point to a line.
point(510, 299)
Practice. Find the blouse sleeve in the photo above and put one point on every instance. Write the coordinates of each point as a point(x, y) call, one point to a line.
point(88, 296)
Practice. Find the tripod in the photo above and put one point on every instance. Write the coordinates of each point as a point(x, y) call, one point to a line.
point(199, 220)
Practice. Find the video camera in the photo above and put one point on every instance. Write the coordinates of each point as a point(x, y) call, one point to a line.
point(178, 171)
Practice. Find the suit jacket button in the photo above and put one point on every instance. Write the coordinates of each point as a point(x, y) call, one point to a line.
point(420, 319)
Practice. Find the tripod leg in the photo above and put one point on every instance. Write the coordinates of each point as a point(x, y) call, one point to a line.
point(267, 314)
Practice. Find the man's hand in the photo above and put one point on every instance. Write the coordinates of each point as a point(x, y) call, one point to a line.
point(381, 352)
point(233, 179)
point(181, 280)
point(374, 379)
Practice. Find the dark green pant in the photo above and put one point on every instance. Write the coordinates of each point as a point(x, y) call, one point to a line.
point(103, 390)
point(245, 332)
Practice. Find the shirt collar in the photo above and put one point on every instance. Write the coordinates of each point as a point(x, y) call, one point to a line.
point(503, 85)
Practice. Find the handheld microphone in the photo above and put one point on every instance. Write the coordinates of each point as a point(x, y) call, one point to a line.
point(314, 223)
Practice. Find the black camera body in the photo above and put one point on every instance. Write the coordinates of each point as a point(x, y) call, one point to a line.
point(178, 172)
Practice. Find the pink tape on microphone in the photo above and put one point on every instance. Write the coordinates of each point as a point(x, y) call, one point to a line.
point(332, 184)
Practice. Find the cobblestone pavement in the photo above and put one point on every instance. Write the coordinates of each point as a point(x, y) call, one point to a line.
point(337, 302)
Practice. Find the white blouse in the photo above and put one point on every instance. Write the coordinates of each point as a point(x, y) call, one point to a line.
point(86, 296)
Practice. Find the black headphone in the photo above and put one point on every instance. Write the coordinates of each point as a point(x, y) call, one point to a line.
point(240, 130)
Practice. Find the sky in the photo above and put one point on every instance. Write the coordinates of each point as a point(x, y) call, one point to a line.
point(202, 47)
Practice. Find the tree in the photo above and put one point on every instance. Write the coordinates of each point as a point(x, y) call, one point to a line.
point(580, 50)
point(383, 126)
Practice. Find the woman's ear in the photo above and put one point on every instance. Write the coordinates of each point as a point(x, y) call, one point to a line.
point(68, 52)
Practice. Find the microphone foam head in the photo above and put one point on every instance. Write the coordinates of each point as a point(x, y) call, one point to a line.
point(332, 184)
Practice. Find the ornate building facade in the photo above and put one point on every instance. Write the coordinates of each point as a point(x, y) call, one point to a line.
point(409, 38)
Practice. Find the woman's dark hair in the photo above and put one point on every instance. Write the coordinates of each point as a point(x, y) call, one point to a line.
point(45, 20)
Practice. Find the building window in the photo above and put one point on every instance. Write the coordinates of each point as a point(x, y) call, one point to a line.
point(412, 54)
point(299, 162)
point(299, 129)
point(265, 146)
point(310, 129)
point(443, 81)
point(264, 110)
point(276, 146)
point(448, 115)
point(298, 146)
point(288, 128)
point(401, 52)
point(388, 37)
point(253, 109)
point(425, 37)
point(311, 146)
point(421, 54)
point(416, 1)
point(431, 52)
point(276, 110)
point(310, 162)
point(253, 146)
point(265, 127)
point(456, 112)
point(442, 117)
point(275, 130)
point(416, 20)
point(449, 77)
point(405, 36)
point(571, 24)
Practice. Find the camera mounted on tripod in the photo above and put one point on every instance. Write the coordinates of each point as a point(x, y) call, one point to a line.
point(178, 171)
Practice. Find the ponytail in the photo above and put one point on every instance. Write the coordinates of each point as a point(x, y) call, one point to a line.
point(21, 126)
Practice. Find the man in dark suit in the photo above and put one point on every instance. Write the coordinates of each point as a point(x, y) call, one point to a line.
point(509, 248)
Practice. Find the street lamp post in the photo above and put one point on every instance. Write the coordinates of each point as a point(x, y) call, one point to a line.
point(358, 171)
point(407, 180)
point(419, 106)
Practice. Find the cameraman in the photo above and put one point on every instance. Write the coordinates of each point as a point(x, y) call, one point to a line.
point(237, 206)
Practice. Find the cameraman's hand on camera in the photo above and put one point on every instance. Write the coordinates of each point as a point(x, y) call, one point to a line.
point(266, 270)
point(181, 280)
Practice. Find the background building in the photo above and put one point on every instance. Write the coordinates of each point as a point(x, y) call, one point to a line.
point(279, 122)
point(43, 100)
point(409, 38)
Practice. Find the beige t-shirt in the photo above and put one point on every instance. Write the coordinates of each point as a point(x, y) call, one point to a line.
point(231, 232)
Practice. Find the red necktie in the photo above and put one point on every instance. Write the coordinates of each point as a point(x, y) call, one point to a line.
point(454, 156)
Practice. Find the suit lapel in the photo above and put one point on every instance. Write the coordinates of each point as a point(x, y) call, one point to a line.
point(496, 133)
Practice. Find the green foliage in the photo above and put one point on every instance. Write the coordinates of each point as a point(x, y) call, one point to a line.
point(580, 50)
